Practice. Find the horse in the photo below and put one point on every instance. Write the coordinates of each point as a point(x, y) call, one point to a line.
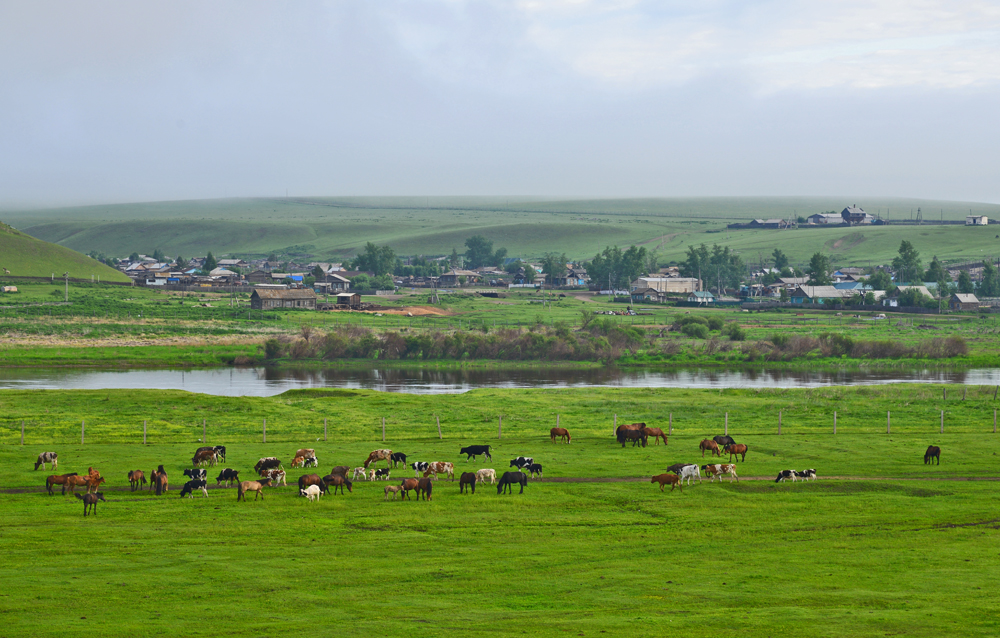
point(933, 452)
point(736, 449)
point(47, 457)
point(663, 479)
point(407, 485)
point(392, 489)
point(467, 479)
point(656, 434)
point(57, 479)
point(340, 469)
point(160, 479)
point(75, 480)
point(709, 444)
point(561, 433)
point(90, 500)
point(252, 486)
point(508, 480)
point(425, 486)
point(634, 432)
point(136, 479)
point(339, 480)
point(312, 479)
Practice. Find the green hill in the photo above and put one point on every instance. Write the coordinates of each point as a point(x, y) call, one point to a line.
point(25, 256)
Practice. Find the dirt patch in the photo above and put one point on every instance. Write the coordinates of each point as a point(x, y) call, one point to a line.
point(848, 241)
point(420, 311)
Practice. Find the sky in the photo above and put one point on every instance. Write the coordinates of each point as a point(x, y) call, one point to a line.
point(118, 101)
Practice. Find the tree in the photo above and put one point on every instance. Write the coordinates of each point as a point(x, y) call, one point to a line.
point(272, 257)
point(696, 263)
point(780, 259)
point(935, 272)
point(721, 266)
point(210, 263)
point(819, 270)
point(965, 285)
point(869, 298)
point(379, 260)
point(181, 263)
point(454, 261)
point(989, 285)
point(479, 251)
point(652, 262)
point(158, 255)
point(880, 281)
point(913, 297)
point(783, 294)
point(133, 257)
point(907, 264)
point(617, 268)
point(786, 272)
point(554, 265)
point(318, 272)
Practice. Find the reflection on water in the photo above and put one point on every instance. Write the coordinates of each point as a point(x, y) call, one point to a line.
point(270, 381)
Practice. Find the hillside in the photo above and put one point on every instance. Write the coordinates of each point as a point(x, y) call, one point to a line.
point(26, 256)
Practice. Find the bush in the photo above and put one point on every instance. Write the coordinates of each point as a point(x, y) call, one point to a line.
point(715, 323)
point(734, 331)
point(696, 330)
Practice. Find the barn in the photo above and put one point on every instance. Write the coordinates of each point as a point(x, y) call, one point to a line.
point(270, 298)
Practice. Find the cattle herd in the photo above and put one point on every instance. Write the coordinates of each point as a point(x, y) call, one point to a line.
point(270, 472)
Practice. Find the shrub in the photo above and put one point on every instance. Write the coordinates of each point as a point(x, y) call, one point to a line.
point(715, 323)
point(696, 330)
point(734, 331)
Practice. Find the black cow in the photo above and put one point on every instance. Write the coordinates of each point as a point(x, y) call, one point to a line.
point(196, 474)
point(723, 440)
point(191, 486)
point(382, 474)
point(535, 468)
point(397, 458)
point(522, 462)
point(221, 451)
point(418, 467)
point(229, 476)
point(267, 463)
point(473, 451)
point(508, 480)
point(784, 475)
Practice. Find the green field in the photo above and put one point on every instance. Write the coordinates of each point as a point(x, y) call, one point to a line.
point(26, 256)
point(903, 551)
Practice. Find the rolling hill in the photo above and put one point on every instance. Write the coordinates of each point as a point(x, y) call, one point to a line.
point(26, 256)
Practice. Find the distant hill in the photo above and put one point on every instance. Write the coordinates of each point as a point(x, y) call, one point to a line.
point(25, 256)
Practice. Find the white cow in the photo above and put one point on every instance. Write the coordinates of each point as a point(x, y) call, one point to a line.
point(689, 472)
point(312, 492)
point(360, 472)
point(484, 474)
point(718, 469)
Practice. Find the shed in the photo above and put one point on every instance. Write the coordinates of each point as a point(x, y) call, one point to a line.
point(976, 220)
point(960, 301)
point(270, 298)
point(351, 299)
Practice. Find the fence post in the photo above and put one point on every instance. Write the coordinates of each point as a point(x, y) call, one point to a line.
point(834, 421)
point(942, 421)
point(383, 429)
point(670, 426)
point(22, 432)
point(438, 419)
point(500, 427)
point(888, 422)
point(324, 429)
point(83, 428)
point(265, 431)
point(557, 419)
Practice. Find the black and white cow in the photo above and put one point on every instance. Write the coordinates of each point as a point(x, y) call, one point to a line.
point(534, 468)
point(784, 475)
point(806, 475)
point(267, 463)
point(196, 474)
point(220, 450)
point(229, 476)
point(382, 474)
point(191, 486)
point(418, 467)
point(397, 458)
point(311, 461)
point(522, 462)
point(473, 451)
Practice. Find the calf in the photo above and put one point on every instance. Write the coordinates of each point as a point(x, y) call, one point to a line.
point(806, 475)
point(667, 479)
point(197, 473)
point(522, 462)
point(690, 472)
point(508, 480)
point(266, 463)
point(396, 459)
point(252, 486)
point(534, 468)
point(448, 469)
point(229, 476)
point(382, 474)
point(718, 470)
point(311, 461)
point(418, 467)
point(298, 461)
point(392, 489)
point(196, 484)
point(784, 475)
point(312, 492)
point(486, 474)
point(277, 477)
point(90, 500)
point(49, 457)
point(220, 451)
point(468, 479)
point(359, 473)
point(933, 452)
point(473, 451)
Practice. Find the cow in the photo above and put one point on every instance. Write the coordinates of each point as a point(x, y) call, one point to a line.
point(709, 444)
point(196, 474)
point(631, 432)
point(486, 474)
point(407, 485)
point(341, 469)
point(311, 461)
point(359, 473)
point(665, 479)
point(204, 457)
point(425, 486)
point(49, 457)
point(220, 451)
point(392, 489)
point(90, 500)
point(312, 492)
point(341, 481)
point(806, 475)
point(522, 462)
point(736, 449)
point(717, 470)
point(473, 451)
point(508, 480)
point(308, 480)
point(534, 468)
point(396, 459)
point(723, 440)
point(229, 476)
point(378, 455)
point(418, 467)
point(438, 467)
point(656, 434)
point(784, 475)
point(677, 467)
point(136, 479)
point(57, 479)
point(252, 486)
point(689, 472)
point(305, 452)
point(933, 452)
point(266, 463)
point(468, 479)
point(277, 477)
point(195, 484)
point(560, 433)
point(298, 461)
point(381, 474)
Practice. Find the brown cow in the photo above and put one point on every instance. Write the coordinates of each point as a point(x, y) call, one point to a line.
point(718, 469)
point(709, 444)
point(204, 456)
point(299, 461)
point(57, 479)
point(467, 479)
point(663, 479)
point(136, 479)
point(252, 486)
point(379, 455)
point(562, 433)
point(407, 485)
point(441, 467)
point(736, 449)
point(933, 452)
point(425, 486)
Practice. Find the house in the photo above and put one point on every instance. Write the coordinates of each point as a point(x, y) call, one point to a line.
point(976, 220)
point(259, 277)
point(572, 277)
point(791, 283)
point(960, 301)
point(819, 294)
point(338, 283)
point(232, 263)
point(269, 299)
point(680, 285)
point(769, 223)
point(854, 215)
point(825, 218)
point(222, 272)
point(645, 294)
point(893, 299)
point(452, 277)
point(701, 296)
point(351, 299)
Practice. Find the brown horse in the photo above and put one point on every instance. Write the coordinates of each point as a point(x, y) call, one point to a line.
point(667, 479)
point(341, 481)
point(736, 449)
point(159, 478)
point(425, 486)
point(90, 500)
point(407, 485)
point(561, 433)
point(252, 486)
point(57, 479)
point(655, 434)
point(632, 432)
point(341, 469)
point(709, 444)
point(74, 481)
point(468, 480)
point(933, 452)
point(136, 479)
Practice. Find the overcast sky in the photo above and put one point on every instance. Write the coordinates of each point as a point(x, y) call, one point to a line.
point(123, 101)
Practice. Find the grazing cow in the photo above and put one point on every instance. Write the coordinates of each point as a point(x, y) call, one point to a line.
point(634, 432)
point(473, 451)
point(90, 500)
point(47, 457)
point(57, 479)
point(136, 479)
point(534, 468)
point(204, 457)
point(160, 478)
point(723, 440)
point(229, 476)
point(736, 449)
point(656, 434)
point(378, 455)
point(392, 489)
point(806, 475)
point(220, 451)
point(311, 461)
point(438, 467)
point(467, 479)
point(486, 474)
point(418, 467)
point(307, 480)
point(339, 480)
point(690, 472)
point(298, 461)
point(425, 486)
point(709, 444)
point(396, 459)
point(359, 473)
point(667, 479)
point(195, 474)
point(306, 452)
point(266, 463)
point(933, 452)
point(508, 480)
point(560, 433)
point(312, 492)
point(522, 462)
point(676, 467)
point(196, 484)
point(718, 470)
point(277, 477)
point(341, 469)
point(252, 486)
point(407, 485)
point(381, 474)
point(784, 475)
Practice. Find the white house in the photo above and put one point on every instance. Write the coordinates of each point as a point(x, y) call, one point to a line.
point(976, 220)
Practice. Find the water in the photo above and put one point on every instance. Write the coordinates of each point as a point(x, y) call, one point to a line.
point(271, 381)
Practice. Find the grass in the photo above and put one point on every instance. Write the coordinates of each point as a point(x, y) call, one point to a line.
point(26, 256)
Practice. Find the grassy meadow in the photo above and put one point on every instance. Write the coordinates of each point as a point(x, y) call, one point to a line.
point(25, 256)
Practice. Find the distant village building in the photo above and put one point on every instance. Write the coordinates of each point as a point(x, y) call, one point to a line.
point(269, 298)
point(976, 220)
point(960, 301)
point(855, 215)
point(825, 218)
point(679, 285)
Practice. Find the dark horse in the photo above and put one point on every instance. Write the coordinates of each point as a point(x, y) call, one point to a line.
point(508, 480)
point(90, 500)
point(635, 432)
point(933, 452)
